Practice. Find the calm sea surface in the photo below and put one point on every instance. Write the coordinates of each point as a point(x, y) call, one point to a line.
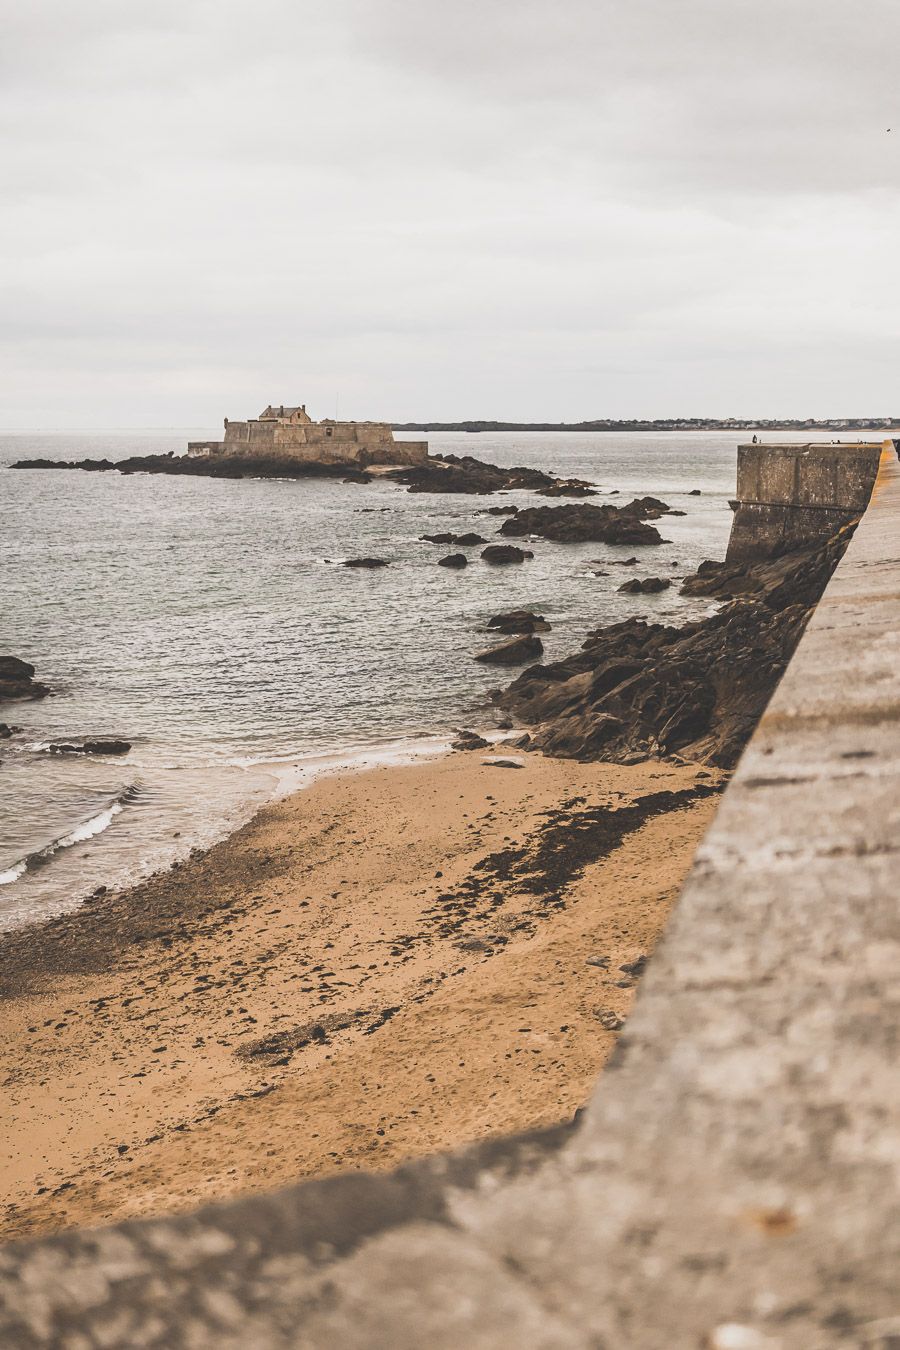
point(208, 623)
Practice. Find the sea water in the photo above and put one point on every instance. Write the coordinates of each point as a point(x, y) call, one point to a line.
point(210, 623)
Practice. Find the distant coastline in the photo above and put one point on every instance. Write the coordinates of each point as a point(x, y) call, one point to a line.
point(670, 424)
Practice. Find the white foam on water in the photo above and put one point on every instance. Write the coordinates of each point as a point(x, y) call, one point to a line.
point(294, 772)
point(86, 830)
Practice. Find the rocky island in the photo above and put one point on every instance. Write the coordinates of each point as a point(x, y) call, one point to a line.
point(284, 442)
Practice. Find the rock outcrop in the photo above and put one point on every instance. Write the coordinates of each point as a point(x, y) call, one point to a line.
point(513, 653)
point(366, 562)
point(199, 466)
point(466, 540)
point(569, 487)
point(649, 585)
point(519, 621)
point(577, 524)
point(454, 473)
point(17, 680)
point(639, 689)
point(505, 553)
point(469, 740)
point(455, 560)
point(448, 473)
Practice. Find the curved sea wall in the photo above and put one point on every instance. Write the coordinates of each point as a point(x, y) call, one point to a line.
point(732, 1184)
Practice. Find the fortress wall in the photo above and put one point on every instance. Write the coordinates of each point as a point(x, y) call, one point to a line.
point(733, 1183)
point(790, 494)
point(353, 443)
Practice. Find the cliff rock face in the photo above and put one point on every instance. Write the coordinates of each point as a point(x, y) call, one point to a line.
point(638, 689)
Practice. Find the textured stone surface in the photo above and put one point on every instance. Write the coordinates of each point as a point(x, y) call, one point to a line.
point(734, 1182)
point(793, 494)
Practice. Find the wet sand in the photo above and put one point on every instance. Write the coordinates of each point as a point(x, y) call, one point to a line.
point(386, 964)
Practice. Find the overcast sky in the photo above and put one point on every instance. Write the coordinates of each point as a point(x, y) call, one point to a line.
point(525, 209)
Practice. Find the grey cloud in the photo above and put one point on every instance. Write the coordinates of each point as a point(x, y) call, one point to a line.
point(524, 210)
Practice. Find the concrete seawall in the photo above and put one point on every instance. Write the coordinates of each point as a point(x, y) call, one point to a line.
point(732, 1185)
point(793, 494)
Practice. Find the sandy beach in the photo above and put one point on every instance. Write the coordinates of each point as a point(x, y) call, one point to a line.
point(386, 964)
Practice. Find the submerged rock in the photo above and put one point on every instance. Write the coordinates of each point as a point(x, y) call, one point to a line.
point(92, 747)
point(649, 585)
point(366, 562)
point(505, 553)
point(513, 653)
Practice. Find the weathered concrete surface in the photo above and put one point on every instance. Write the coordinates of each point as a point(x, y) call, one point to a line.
point(792, 494)
point(734, 1182)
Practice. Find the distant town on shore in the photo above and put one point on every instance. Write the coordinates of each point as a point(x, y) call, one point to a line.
point(669, 424)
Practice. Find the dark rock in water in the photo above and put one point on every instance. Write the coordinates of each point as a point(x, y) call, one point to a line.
point(569, 487)
point(505, 553)
point(17, 680)
point(455, 473)
point(582, 524)
point(365, 562)
point(469, 740)
point(500, 511)
point(649, 586)
point(354, 477)
point(513, 653)
point(111, 747)
point(639, 689)
point(695, 492)
point(207, 466)
point(5, 731)
point(621, 562)
point(519, 621)
point(464, 539)
point(647, 508)
point(456, 560)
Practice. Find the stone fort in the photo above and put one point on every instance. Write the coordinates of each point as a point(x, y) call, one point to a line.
point(291, 433)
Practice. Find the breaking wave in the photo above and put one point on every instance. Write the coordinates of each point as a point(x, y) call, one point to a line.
point(86, 830)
